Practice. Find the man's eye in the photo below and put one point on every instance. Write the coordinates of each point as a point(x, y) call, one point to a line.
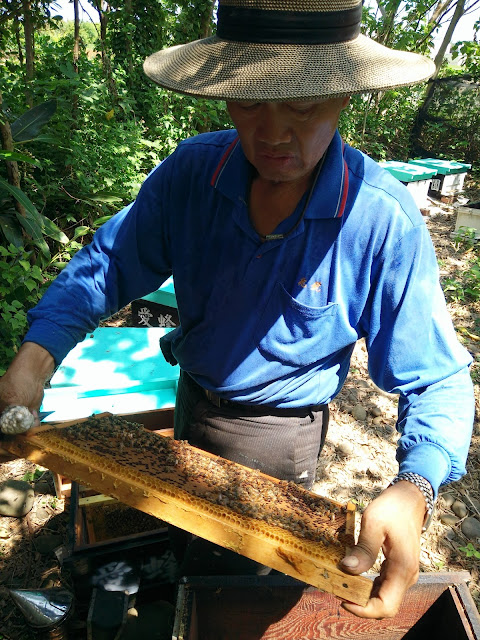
point(300, 107)
point(248, 105)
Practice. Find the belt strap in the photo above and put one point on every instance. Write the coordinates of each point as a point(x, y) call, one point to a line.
point(260, 409)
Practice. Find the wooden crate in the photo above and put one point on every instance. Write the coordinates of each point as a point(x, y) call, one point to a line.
point(438, 607)
point(98, 521)
point(135, 557)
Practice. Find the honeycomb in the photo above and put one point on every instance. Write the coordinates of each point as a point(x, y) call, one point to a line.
point(242, 509)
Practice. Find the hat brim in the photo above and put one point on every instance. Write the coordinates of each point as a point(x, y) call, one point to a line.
point(226, 70)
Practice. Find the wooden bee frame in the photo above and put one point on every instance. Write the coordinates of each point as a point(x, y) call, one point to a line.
point(295, 532)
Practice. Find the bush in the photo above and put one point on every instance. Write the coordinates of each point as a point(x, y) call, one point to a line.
point(21, 286)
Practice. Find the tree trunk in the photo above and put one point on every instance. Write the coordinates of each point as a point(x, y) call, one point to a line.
point(423, 110)
point(439, 11)
point(106, 64)
point(13, 173)
point(206, 21)
point(29, 54)
point(76, 35)
point(388, 23)
point(76, 55)
point(16, 26)
point(128, 41)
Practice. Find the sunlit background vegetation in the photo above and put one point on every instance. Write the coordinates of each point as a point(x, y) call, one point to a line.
point(81, 126)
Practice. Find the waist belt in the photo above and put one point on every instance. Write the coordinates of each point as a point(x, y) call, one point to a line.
point(259, 409)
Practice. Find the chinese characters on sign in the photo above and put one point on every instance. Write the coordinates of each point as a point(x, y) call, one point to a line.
point(164, 320)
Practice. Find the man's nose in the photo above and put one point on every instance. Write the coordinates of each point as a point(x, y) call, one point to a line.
point(272, 127)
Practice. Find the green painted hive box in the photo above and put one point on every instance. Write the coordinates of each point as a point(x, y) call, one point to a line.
point(118, 370)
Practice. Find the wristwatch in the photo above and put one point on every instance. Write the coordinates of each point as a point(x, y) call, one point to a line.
point(425, 487)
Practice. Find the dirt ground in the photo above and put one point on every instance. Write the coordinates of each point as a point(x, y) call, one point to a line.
point(357, 462)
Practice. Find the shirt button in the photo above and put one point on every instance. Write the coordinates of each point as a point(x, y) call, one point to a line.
point(259, 255)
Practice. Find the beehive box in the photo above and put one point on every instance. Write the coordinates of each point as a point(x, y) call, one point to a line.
point(415, 177)
point(450, 175)
point(115, 546)
point(438, 607)
point(116, 369)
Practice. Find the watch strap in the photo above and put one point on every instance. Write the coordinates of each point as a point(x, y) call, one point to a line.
point(425, 487)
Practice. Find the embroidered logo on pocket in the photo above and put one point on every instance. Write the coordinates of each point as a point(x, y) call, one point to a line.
point(314, 286)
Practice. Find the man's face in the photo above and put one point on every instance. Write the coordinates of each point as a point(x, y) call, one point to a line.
point(285, 140)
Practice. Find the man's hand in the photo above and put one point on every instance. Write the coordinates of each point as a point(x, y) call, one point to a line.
point(394, 523)
point(23, 383)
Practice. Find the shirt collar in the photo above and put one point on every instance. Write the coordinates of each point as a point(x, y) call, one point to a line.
point(232, 176)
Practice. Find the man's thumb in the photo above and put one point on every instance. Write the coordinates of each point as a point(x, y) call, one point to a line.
point(362, 556)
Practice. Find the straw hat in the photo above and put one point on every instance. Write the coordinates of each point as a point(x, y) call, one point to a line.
point(270, 50)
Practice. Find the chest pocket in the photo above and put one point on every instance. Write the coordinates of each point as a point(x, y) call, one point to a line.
point(298, 335)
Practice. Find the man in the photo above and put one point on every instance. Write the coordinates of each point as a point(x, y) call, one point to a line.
point(286, 246)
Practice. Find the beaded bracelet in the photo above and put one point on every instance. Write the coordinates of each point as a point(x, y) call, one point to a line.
point(425, 487)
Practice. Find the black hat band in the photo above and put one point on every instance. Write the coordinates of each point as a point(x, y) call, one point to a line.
point(243, 24)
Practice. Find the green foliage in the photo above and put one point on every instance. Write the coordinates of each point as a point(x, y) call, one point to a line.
point(88, 143)
point(32, 476)
point(21, 286)
point(29, 125)
point(470, 551)
point(464, 238)
point(452, 129)
point(465, 287)
point(469, 52)
point(34, 224)
point(379, 124)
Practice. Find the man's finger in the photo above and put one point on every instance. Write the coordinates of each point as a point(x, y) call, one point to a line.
point(387, 595)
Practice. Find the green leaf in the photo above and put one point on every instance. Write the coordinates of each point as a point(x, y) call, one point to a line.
point(68, 70)
point(11, 230)
point(51, 230)
point(99, 221)
point(30, 284)
point(32, 221)
point(33, 229)
point(46, 137)
point(110, 197)
point(28, 125)
point(59, 264)
point(11, 156)
point(81, 231)
point(37, 223)
point(21, 197)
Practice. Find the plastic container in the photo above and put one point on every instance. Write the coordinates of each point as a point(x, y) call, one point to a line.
point(468, 217)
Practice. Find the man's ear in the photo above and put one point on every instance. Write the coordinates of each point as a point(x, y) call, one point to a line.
point(345, 102)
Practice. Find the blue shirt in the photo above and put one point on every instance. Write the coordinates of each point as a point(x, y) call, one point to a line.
point(275, 323)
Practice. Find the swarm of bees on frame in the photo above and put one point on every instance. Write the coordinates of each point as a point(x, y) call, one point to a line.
point(246, 492)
